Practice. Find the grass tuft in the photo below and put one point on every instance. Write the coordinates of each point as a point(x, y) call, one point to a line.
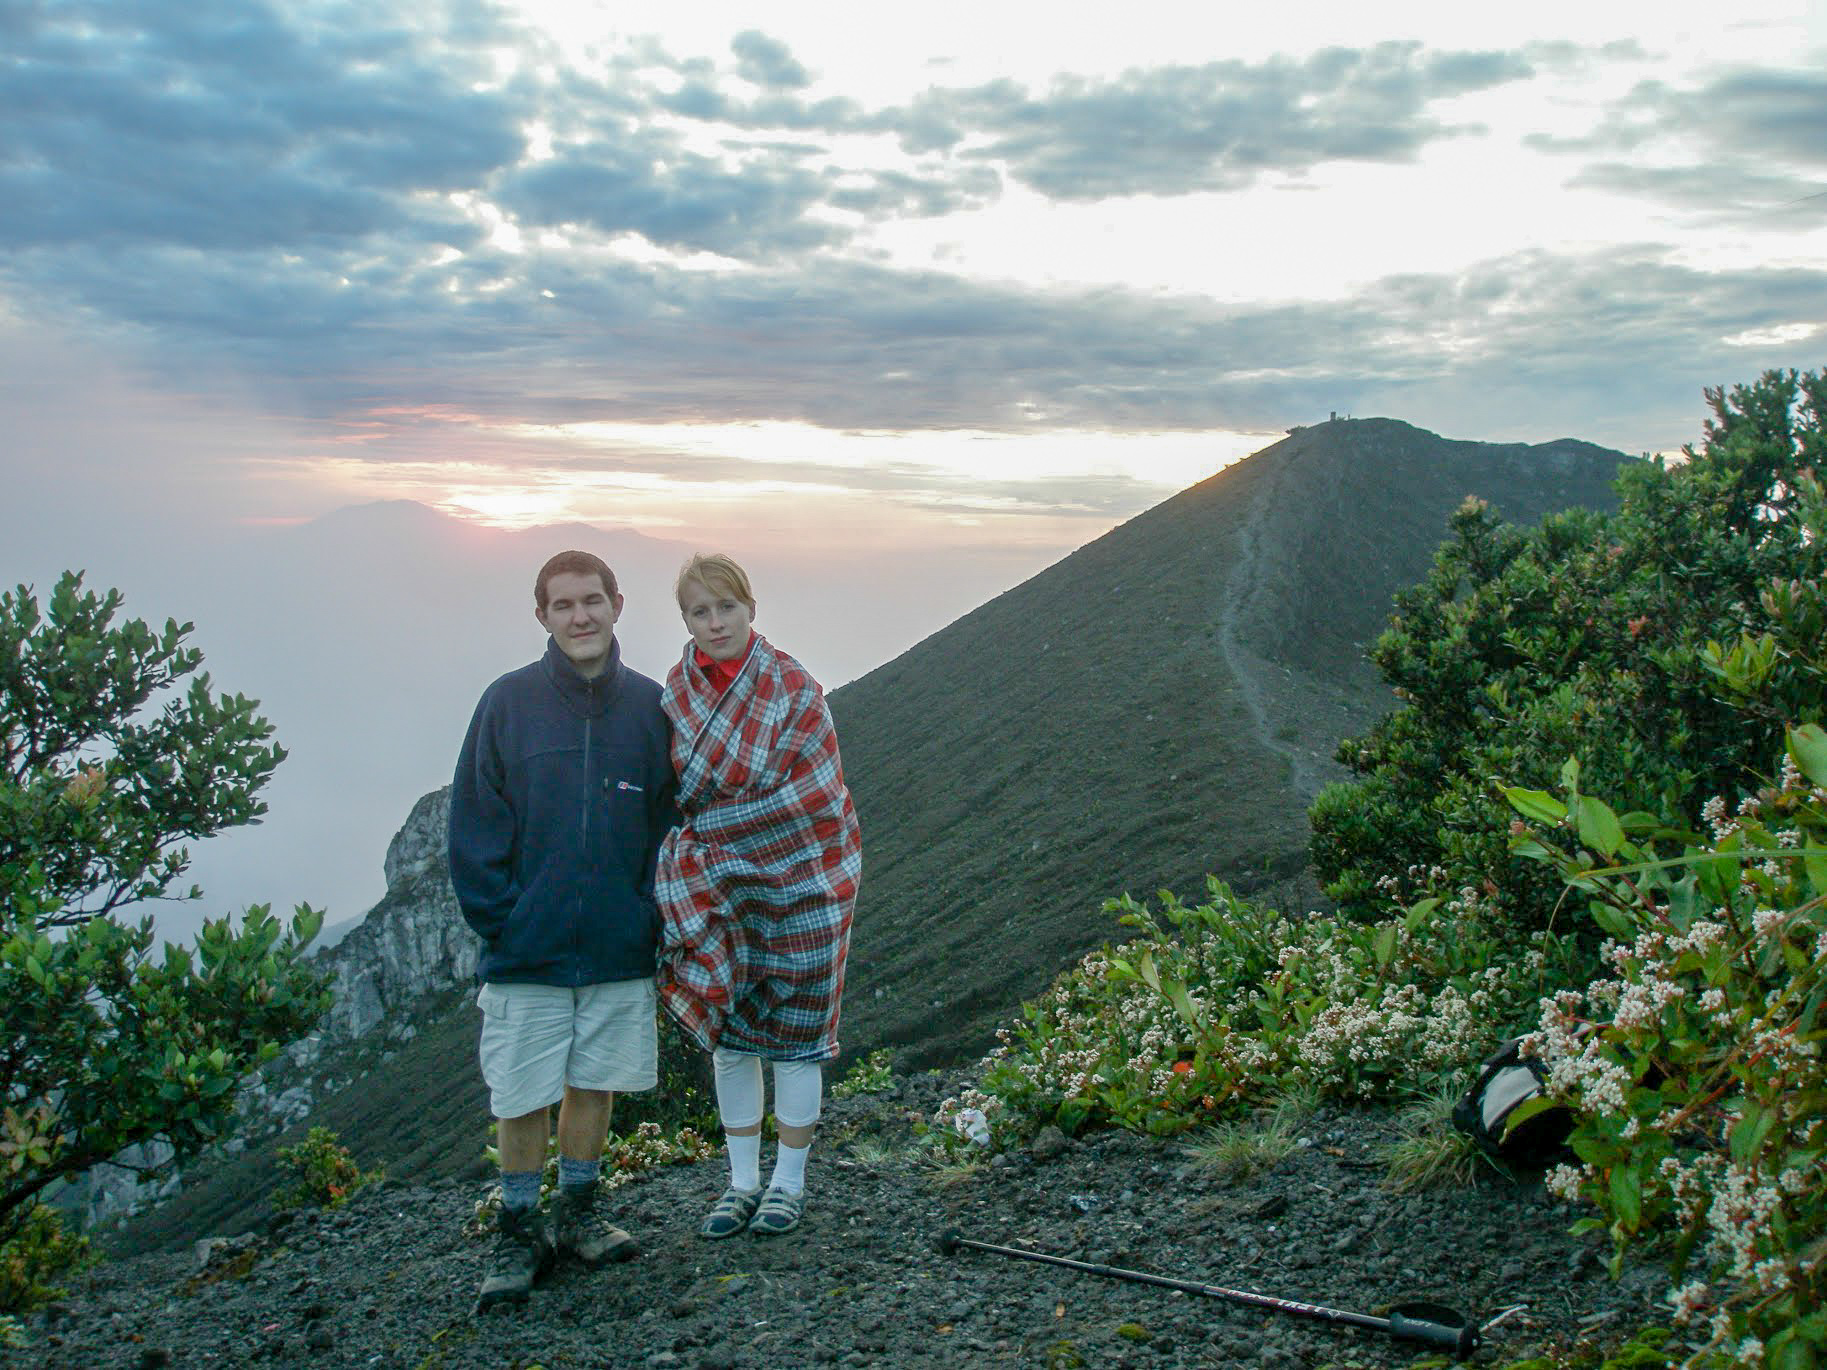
point(1233, 1152)
point(1431, 1153)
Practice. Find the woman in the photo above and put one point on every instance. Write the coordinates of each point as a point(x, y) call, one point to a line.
point(757, 888)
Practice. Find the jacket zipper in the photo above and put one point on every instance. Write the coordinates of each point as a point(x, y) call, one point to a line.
point(583, 853)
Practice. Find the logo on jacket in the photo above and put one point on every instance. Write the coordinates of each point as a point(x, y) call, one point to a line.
point(624, 785)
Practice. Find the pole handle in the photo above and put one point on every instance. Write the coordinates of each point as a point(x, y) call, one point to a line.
point(1414, 1325)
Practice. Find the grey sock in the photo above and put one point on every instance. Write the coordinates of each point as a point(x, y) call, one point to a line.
point(575, 1175)
point(519, 1189)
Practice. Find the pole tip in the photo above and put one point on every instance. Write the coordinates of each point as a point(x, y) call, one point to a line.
point(947, 1241)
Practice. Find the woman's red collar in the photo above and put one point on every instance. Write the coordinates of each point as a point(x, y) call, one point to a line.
point(722, 674)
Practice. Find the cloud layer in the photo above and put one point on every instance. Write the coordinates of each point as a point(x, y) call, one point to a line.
point(344, 208)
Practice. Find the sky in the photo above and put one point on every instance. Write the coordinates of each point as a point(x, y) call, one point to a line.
point(320, 322)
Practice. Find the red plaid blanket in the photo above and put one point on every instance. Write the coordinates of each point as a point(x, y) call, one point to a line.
point(757, 888)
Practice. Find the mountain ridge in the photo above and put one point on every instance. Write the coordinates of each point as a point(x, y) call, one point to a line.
point(1161, 704)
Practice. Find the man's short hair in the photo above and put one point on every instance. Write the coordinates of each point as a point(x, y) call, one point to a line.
point(574, 563)
point(717, 573)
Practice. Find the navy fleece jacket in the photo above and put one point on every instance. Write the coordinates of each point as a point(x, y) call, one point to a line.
point(562, 794)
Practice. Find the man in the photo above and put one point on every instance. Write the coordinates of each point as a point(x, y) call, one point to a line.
point(562, 794)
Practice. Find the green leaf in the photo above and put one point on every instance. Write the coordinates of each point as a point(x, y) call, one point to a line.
point(1145, 970)
point(1787, 1351)
point(1814, 861)
point(1570, 775)
point(1176, 993)
point(1528, 1109)
point(1614, 921)
point(1386, 944)
point(1599, 827)
point(1749, 1132)
point(1536, 804)
point(1808, 747)
point(1627, 1196)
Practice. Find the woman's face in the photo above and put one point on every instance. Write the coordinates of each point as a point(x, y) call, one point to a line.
point(719, 623)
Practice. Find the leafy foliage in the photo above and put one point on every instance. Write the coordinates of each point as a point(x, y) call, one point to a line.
point(873, 1074)
point(37, 1255)
point(1608, 637)
point(1225, 1005)
point(1696, 1069)
point(99, 794)
point(102, 1045)
point(322, 1173)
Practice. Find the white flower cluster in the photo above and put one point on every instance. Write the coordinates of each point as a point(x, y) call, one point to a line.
point(1691, 1298)
point(1564, 1181)
point(1739, 1214)
point(1768, 924)
point(1713, 814)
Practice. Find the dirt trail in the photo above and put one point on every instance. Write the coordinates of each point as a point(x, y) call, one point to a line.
point(1264, 685)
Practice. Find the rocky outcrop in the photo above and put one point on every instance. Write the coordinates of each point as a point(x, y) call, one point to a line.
point(413, 943)
point(133, 1181)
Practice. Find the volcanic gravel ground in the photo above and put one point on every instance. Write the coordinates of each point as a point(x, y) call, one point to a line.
point(390, 1279)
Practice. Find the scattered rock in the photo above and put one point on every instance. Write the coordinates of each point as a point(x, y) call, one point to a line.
point(1272, 1207)
point(1048, 1144)
point(860, 1285)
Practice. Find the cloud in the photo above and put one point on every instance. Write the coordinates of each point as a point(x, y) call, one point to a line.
point(1763, 133)
point(846, 344)
point(1726, 194)
point(347, 213)
point(643, 180)
point(767, 62)
point(1219, 126)
point(234, 127)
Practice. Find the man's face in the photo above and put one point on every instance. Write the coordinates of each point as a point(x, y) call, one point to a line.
point(719, 623)
point(580, 615)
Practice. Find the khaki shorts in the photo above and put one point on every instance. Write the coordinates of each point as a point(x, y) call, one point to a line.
point(536, 1039)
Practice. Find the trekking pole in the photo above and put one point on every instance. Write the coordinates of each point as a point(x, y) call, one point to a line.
point(1431, 1324)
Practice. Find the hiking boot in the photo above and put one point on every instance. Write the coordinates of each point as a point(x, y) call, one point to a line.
point(586, 1234)
point(522, 1253)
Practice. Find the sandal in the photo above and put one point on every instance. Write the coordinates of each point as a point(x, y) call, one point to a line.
point(730, 1214)
point(779, 1213)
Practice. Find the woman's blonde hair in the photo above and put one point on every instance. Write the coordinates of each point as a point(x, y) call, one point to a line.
point(717, 573)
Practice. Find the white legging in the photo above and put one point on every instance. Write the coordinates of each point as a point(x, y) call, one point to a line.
point(798, 1089)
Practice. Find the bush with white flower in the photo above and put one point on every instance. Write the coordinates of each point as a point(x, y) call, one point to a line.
point(1694, 1066)
point(1219, 1006)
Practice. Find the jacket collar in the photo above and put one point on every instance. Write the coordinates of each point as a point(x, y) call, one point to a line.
point(590, 698)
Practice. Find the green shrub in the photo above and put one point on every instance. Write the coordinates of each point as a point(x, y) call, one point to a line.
point(323, 1173)
point(100, 787)
point(1222, 1006)
point(1596, 635)
point(871, 1075)
point(37, 1255)
point(1695, 1068)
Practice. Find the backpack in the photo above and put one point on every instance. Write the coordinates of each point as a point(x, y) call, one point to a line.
point(1507, 1082)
